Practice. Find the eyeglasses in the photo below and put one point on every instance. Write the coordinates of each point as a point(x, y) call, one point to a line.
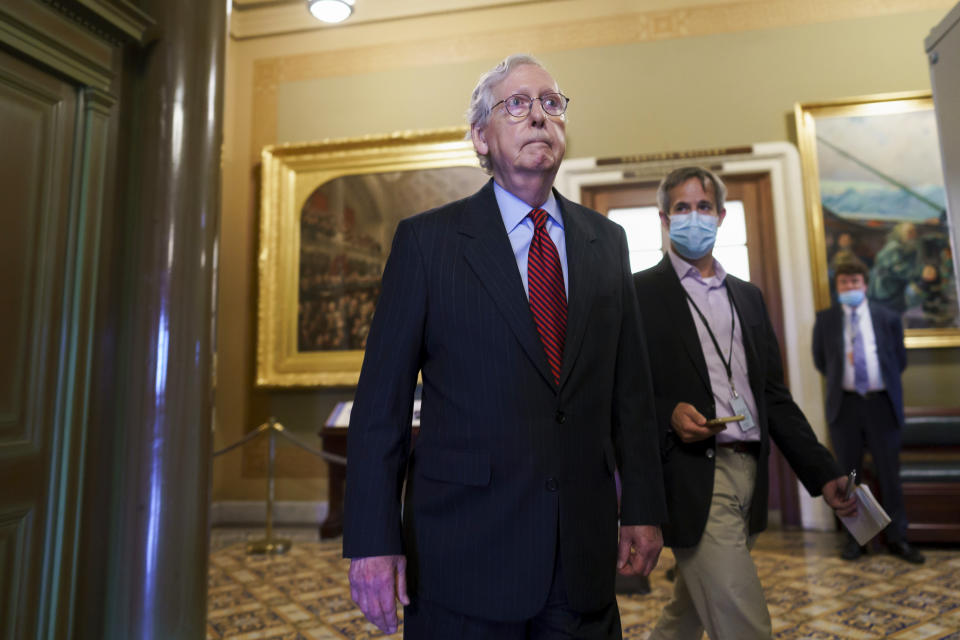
point(519, 105)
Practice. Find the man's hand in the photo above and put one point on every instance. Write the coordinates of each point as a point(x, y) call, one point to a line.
point(640, 547)
point(833, 493)
point(689, 423)
point(376, 583)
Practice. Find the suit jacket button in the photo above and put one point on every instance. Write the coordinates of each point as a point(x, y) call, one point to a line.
point(710, 453)
point(552, 484)
point(560, 417)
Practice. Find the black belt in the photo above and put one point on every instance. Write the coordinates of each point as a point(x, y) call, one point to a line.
point(868, 394)
point(742, 446)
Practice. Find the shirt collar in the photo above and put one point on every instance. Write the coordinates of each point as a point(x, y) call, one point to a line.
point(686, 270)
point(860, 307)
point(514, 210)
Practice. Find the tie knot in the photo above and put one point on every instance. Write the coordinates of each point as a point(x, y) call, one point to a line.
point(539, 217)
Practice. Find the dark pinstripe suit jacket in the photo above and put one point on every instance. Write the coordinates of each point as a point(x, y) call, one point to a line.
point(677, 356)
point(506, 465)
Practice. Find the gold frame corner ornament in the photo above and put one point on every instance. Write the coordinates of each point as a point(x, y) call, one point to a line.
point(805, 115)
point(290, 173)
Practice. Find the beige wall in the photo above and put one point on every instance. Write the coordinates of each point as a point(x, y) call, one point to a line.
point(734, 81)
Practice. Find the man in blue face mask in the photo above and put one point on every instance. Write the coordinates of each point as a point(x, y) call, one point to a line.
point(858, 346)
point(720, 398)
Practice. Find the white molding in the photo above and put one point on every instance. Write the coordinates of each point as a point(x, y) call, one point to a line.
point(254, 512)
point(782, 162)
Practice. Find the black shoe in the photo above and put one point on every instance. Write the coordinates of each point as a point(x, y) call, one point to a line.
point(852, 550)
point(906, 551)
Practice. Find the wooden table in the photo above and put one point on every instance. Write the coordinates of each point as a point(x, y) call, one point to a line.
point(335, 441)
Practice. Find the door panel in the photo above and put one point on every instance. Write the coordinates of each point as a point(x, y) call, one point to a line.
point(38, 114)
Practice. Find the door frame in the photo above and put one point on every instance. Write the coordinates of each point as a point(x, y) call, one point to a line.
point(782, 162)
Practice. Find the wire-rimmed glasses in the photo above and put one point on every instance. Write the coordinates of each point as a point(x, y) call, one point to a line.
point(519, 105)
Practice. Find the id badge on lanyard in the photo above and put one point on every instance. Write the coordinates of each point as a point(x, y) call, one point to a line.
point(739, 406)
point(737, 403)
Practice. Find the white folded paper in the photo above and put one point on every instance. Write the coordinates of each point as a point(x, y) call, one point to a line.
point(870, 519)
point(340, 416)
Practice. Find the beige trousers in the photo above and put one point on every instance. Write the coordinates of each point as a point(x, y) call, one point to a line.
point(717, 588)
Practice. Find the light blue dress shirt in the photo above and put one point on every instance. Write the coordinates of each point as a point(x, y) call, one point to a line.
point(520, 230)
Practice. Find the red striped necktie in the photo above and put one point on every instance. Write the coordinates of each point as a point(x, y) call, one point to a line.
point(548, 299)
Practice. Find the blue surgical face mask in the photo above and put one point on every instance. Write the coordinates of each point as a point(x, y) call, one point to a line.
point(851, 297)
point(693, 234)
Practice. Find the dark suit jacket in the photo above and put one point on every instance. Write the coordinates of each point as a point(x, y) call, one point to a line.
point(506, 465)
point(829, 352)
point(680, 375)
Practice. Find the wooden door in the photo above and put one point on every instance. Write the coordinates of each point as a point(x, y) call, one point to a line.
point(37, 126)
point(753, 191)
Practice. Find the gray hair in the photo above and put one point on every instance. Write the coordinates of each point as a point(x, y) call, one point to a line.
point(482, 98)
point(681, 175)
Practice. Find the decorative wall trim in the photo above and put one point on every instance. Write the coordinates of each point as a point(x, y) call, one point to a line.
point(116, 21)
point(54, 39)
point(272, 19)
point(627, 28)
point(99, 101)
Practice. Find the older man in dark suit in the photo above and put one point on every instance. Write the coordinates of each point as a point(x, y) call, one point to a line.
point(516, 306)
point(858, 346)
point(716, 357)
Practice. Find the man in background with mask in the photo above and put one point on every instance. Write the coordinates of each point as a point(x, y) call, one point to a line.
point(720, 397)
point(858, 346)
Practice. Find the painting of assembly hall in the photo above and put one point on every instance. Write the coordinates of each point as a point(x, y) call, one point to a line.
point(346, 227)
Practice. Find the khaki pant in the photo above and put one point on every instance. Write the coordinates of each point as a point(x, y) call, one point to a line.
point(717, 588)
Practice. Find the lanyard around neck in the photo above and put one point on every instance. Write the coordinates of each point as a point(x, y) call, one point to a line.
point(728, 362)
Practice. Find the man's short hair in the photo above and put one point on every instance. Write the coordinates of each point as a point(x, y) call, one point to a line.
point(851, 267)
point(482, 98)
point(679, 176)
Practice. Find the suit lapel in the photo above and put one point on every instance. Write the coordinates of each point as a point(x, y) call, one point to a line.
point(835, 332)
point(489, 254)
point(678, 309)
point(581, 267)
point(755, 372)
point(879, 329)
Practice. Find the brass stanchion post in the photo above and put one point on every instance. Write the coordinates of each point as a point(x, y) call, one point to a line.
point(269, 544)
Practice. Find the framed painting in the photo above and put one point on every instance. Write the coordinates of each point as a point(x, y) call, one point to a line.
point(875, 192)
point(328, 214)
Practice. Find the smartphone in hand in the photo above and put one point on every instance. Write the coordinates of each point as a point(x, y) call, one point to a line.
point(716, 422)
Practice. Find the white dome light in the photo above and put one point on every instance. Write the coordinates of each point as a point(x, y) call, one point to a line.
point(331, 10)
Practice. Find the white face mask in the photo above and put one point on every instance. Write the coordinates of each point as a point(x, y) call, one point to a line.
point(851, 297)
point(693, 234)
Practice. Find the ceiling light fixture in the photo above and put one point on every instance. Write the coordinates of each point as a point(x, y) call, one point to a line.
point(332, 11)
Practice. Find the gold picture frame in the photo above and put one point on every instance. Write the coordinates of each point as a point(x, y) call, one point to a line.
point(870, 169)
point(328, 211)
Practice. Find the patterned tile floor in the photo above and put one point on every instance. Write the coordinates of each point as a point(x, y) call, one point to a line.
point(811, 592)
